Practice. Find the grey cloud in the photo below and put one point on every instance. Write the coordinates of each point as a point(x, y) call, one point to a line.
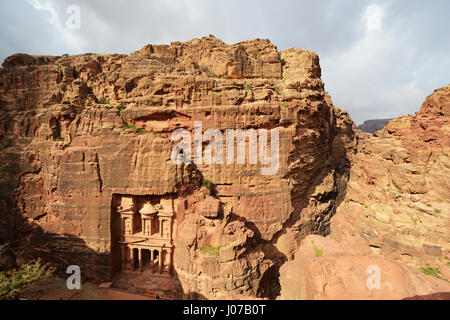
point(372, 77)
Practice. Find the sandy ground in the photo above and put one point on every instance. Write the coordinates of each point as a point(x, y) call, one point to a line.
point(56, 289)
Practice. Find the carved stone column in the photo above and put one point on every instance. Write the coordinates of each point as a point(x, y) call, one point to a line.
point(132, 259)
point(161, 262)
point(152, 260)
point(140, 258)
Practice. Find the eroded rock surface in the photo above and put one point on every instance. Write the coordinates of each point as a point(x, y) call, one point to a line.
point(79, 130)
point(394, 220)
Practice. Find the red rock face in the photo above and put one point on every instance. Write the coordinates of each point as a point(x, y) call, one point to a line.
point(394, 219)
point(78, 130)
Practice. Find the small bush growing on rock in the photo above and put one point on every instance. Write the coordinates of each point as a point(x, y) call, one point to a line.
point(142, 132)
point(58, 139)
point(283, 106)
point(12, 281)
point(437, 210)
point(207, 184)
point(434, 272)
point(278, 91)
point(128, 126)
point(103, 100)
point(121, 108)
point(317, 251)
point(283, 62)
point(64, 87)
point(196, 66)
point(210, 250)
point(159, 135)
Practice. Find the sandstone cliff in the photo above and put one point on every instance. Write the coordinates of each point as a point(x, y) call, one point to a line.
point(78, 131)
point(394, 219)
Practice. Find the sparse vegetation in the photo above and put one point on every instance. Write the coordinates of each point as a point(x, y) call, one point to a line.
point(142, 132)
point(247, 89)
point(415, 220)
point(207, 184)
point(11, 282)
point(210, 250)
point(64, 87)
point(437, 211)
point(121, 107)
point(345, 175)
point(283, 62)
point(317, 251)
point(196, 66)
point(103, 100)
point(429, 205)
point(159, 135)
point(58, 139)
point(428, 171)
point(129, 127)
point(434, 272)
point(278, 91)
point(255, 54)
point(283, 106)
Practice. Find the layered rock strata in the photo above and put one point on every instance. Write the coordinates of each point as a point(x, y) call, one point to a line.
point(78, 131)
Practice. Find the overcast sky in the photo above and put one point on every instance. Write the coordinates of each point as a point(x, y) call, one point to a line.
point(379, 58)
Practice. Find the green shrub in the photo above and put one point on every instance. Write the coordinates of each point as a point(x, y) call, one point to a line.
point(210, 250)
point(437, 211)
point(283, 62)
point(11, 282)
point(317, 251)
point(207, 184)
point(283, 106)
point(58, 139)
point(434, 272)
point(121, 107)
point(64, 87)
point(196, 66)
point(128, 126)
point(142, 132)
point(159, 135)
point(103, 100)
point(255, 54)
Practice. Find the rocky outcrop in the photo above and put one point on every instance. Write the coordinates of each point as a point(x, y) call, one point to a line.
point(325, 269)
point(372, 126)
point(394, 220)
point(79, 130)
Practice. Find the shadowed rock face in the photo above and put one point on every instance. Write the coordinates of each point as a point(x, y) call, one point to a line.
point(76, 131)
point(372, 126)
